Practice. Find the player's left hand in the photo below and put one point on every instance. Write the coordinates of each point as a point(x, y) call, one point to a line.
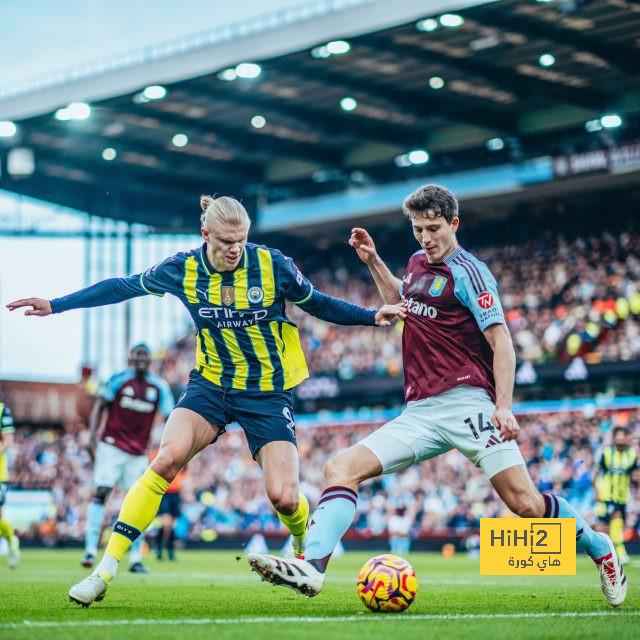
point(388, 312)
point(39, 306)
point(506, 423)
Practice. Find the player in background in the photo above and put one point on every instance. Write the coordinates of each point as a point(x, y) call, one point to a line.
point(611, 484)
point(168, 512)
point(248, 359)
point(6, 441)
point(459, 368)
point(120, 424)
point(399, 524)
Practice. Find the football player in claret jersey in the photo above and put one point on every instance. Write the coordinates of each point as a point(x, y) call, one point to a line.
point(459, 367)
point(6, 441)
point(617, 464)
point(128, 404)
point(248, 358)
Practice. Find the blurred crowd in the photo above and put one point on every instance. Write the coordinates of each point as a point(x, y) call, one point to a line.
point(562, 298)
point(224, 493)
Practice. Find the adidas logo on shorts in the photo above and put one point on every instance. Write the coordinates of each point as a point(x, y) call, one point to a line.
point(493, 440)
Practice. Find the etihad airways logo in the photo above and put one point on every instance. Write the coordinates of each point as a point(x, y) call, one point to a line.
point(420, 308)
point(225, 318)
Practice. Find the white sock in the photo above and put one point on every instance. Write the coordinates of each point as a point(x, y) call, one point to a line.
point(108, 565)
point(95, 516)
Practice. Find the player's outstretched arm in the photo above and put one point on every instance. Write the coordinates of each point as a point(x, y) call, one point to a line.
point(388, 285)
point(106, 292)
point(504, 366)
point(339, 311)
point(36, 306)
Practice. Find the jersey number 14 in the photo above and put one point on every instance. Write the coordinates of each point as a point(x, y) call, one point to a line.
point(482, 426)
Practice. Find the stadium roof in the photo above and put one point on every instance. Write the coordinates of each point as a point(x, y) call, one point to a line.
point(486, 85)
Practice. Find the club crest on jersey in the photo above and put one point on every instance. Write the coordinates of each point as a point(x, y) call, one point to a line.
point(437, 286)
point(485, 300)
point(228, 295)
point(151, 394)
point(255, 295)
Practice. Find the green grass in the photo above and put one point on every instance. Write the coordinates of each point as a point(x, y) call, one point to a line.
point(217, 597)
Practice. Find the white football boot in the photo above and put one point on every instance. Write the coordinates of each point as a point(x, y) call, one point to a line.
point(612, 577)
point(92, 589)
point(297, 574)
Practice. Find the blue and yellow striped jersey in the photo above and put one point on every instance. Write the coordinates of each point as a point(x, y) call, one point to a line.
point(6, 427)
point(244, 339)
point(614, 478)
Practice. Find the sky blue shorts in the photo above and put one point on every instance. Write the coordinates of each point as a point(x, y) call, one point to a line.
point(265, 416)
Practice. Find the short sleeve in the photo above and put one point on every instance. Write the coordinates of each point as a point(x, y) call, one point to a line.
point(477, 289)
point(293, 285)
point(109, 389)
point(6, 421)
point(162, 277)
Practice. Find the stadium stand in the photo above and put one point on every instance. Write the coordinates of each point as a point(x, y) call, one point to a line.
point(224, 493)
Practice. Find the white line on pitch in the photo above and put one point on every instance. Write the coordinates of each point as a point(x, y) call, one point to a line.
point(28, 624)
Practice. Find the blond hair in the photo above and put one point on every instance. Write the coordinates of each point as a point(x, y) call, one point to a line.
point(223, 209)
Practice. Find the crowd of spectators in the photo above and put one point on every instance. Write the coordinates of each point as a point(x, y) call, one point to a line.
point(562, 298)
point(224, 493)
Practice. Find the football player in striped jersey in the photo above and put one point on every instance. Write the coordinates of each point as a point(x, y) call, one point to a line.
point(617, 464)
point(248, 359)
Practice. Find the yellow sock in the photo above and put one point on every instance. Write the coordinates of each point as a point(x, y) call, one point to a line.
point(616, 531)
point(138, 511)
point(6, 530)
point(297, 521)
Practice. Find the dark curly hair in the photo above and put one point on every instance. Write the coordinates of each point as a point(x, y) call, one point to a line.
point(431, 200)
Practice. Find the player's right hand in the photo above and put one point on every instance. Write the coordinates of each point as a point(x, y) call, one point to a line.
point(39, 307)
point(362, 242)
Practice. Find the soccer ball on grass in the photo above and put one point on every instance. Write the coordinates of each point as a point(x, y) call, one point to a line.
point(387, 583)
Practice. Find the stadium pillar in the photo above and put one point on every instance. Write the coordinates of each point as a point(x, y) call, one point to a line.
point(127, 308)
point(86, 318)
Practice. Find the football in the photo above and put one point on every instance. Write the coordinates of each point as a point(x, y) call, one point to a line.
point(387, 583)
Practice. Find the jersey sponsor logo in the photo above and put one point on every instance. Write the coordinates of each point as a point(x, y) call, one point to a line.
point(485, 300)
point(255, 295)
point(232, 318)
point(421, 308)
point(437, 286)
point(151, 394)
point(228, 294)
point(136, 405)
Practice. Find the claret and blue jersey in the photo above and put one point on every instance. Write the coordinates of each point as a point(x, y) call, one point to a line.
point(449, 306)
point(133, 403)
point(244, 338)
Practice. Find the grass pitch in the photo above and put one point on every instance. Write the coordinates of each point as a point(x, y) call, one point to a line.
point(209, 594)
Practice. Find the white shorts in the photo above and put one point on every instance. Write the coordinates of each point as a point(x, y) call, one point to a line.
point(456, 419)
point(114, 466)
